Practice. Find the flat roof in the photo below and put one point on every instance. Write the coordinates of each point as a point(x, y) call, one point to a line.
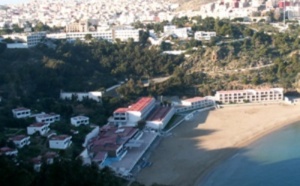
point(195, 99)
point(159, 113)
point(19, 137)
point(80, 117)
point(141, 104)
point(47, 115)
point(20, 109)
point(60, 137)
point(40, 124)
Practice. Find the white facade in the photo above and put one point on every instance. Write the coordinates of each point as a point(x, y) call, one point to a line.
point(21, 140)
point(21, 112)
point(95, 95)
point(204, 36)
point(126, 33)
point(47, 118)
point(250, 95)
point(134, 113)
point(80, 120)
point(105, 34)
point(159, 119)
point(34, 38)
point(169, 29)
point(179, 32)
point(41, 128)
point(195, 103)
point(60, 142)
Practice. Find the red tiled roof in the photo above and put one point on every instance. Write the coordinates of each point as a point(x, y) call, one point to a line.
point(121, 110)
point(111, 138)
point(159, 113)
point(195, 99)
point(18, 138)
point(141, 104)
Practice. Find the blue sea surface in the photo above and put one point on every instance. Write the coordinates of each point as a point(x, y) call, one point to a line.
point(273, 160)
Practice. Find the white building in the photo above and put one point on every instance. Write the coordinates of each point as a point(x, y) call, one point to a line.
point(250, 95)
point(195, 103)
point(35, 38)
point(125, 33)
point(8, 151)
point(41, 128)
point(204, 36)
point(32, 39)
point(21, 112)
point(47, 118)
point(80, 120)
point(159, 118)
point(179, 32)
point(60, 142)
point(21, 140)
point(134, 113)
point(95, 95)
point(169, 29)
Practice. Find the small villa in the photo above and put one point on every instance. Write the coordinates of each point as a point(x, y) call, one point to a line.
point(80, 120)
point(41, 128)
point(21, 112)
point(47, 118)
point(20, 141)
point(61, 142)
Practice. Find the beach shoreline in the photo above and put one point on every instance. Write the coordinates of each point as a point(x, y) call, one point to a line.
point(210, 168)
point(211, 142)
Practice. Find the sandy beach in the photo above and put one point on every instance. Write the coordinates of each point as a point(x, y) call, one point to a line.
point(198, 145)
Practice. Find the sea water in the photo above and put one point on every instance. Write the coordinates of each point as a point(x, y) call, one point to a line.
point(273, 160)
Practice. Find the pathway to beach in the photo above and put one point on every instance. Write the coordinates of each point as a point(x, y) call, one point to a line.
point(198, 145)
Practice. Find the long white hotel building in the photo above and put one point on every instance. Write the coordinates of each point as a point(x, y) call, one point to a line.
point(250, 95)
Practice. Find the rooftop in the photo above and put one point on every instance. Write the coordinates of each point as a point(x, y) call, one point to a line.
point(40, 124)
point(79, 117)
point(159, 113)
point(141, 104)
point(111, 138)
point(20, 109)
point(18, 138)
point(47, 115)
point(60, 137)
point(121, 110)
point(195, 99)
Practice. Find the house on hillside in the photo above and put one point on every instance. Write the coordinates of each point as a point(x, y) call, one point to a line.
point(80, 120)
point(47, 118)
point(60, 142)
point(21, 112)
point(20, 141)
point(41, 128)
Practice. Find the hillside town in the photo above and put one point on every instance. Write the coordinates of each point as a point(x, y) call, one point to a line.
point(122, 143)
point(151, 67)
